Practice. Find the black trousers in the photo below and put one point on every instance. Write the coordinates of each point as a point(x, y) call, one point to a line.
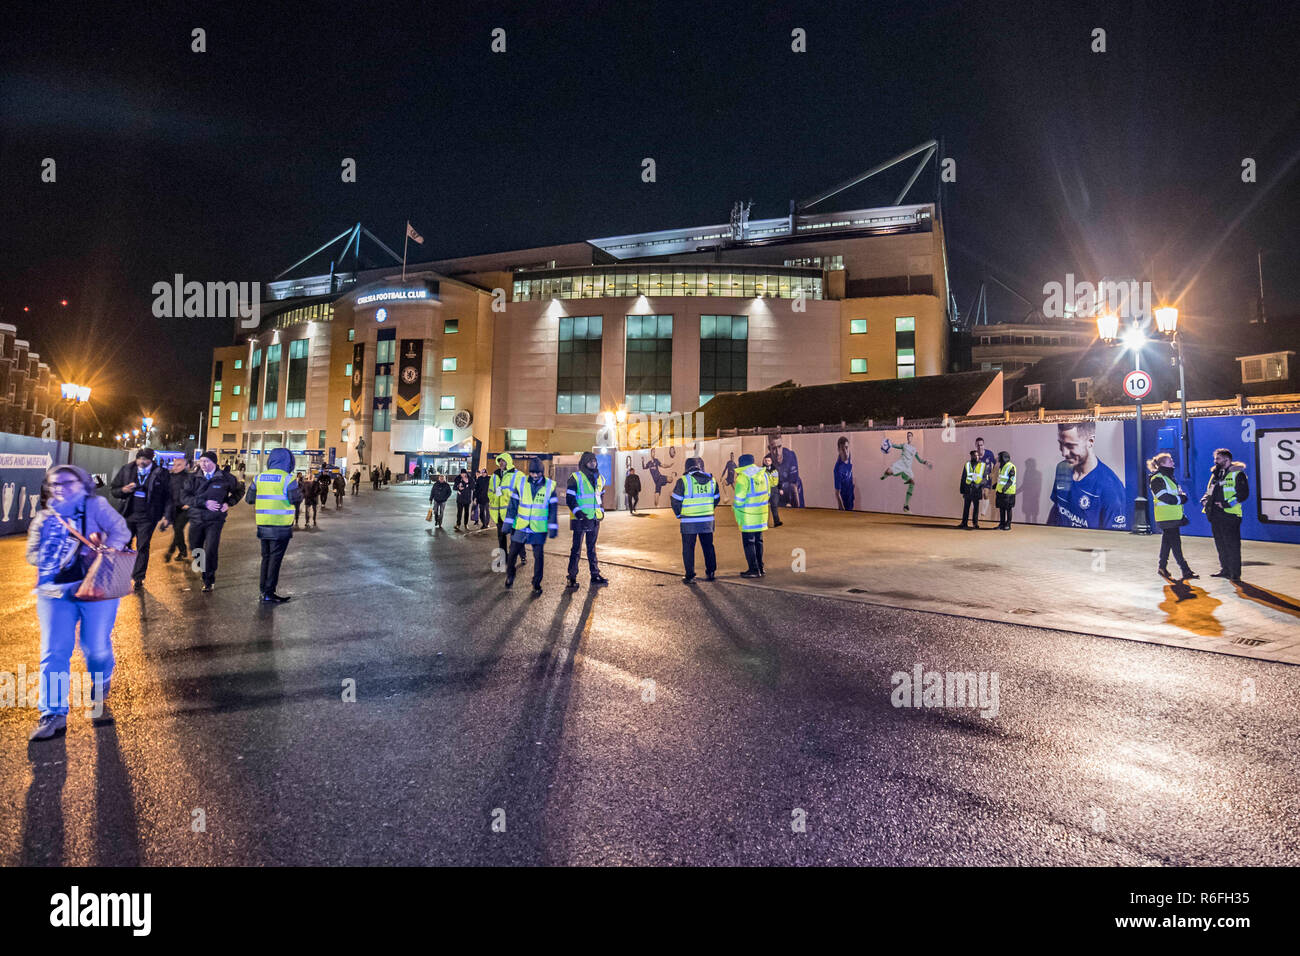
point(753, 544)
point(484, 513)
point(206, 534)
point(688, 552)
point(273, 550)
point(462, 514)
point(309, 506)
point(1004, 517)
point(338, 499)
point(355, 486)
point(774, 508)
point(1227, 539)
point(970, 509)
point(631, 502)
point(142, 531)
point(503, 542)
point(438, 508)
point(591, 532)
point(517, 551)
point(178, 534)
point(1171, 539)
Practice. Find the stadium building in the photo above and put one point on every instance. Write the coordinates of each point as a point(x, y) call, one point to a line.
point(367, 361)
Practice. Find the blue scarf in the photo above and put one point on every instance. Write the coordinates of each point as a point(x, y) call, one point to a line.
point(57, 551)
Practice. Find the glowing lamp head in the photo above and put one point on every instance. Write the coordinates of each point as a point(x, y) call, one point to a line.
point(1167, 319)
point(1133, 338)
point(69, 390)
point(1108, 326)
point(83, 393)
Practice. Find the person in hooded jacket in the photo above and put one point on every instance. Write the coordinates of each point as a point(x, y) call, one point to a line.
point(61, 563)
point(438, 496)
point(500, 488)
point(583, 495)
point(210, 494)
point(531, 517)
point(695, 496)
point(274, 495)
point(1167, 501)
point(464, 495)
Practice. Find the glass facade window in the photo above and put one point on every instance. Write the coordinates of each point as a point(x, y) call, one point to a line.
point(347, 404)
point(383, 386)
point(592, 282)
point(385, 349)
point(270, 404)
point(447, 402)
point(239, 363)
point(724, 354)
point(237, 389)
point(216, 414)
point(320, 312)
point(577, 381)
point(352, 334)
point(649, 363)
point(858, 366)
point(516, 439)
point(381, 420)
point(295, 401)
point(447, 434)
point(348, 370)
point(905, 345)
point(234, 416)
point(857, 326)
point(449, 364)
point(450, 326)
point(831, 263)
point(254, 385)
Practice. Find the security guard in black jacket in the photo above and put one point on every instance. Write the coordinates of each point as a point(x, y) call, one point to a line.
point(210, 494)
point(144, 498)
point(178, 512)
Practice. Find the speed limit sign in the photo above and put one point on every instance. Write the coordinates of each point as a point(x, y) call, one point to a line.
point(1137, 384)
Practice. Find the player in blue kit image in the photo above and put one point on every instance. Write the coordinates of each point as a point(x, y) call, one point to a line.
point(842, 475)
point(1086, 493)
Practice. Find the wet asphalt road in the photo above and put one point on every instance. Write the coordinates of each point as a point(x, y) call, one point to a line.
point(646, 723)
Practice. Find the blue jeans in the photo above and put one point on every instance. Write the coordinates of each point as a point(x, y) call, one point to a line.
point(59, 617)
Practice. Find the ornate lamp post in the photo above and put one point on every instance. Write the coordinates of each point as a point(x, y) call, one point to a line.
point(76, 396)
point(1133, 340)
point(1167, 325)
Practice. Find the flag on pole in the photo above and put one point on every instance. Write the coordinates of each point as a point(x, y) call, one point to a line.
point(410, 231)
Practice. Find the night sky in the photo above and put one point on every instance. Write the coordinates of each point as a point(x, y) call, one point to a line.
point(225, 165)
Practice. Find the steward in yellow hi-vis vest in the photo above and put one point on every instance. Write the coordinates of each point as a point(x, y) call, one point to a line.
point(585, 498)
point(753, 488)
point(1004, 490)
point(501, 486)
point(273, 497)
point(1167, 501)
point(695, 496)
point(1227, 489)
point(532, 517)
point(972, 490)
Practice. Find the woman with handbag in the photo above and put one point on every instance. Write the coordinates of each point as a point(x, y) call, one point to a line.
point(61, 543)
point(1168, 500)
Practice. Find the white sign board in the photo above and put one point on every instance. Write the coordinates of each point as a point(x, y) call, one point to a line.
point(1137, 384)
point(1277, 463)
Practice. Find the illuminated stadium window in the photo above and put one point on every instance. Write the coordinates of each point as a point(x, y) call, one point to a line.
point(516, 439)
point(649, 365)
point(577, 374)
point(857, 326)
point(449, 364)
point(450, 326)
point(447, 401)
point(905, 345)
point(858, 366)
point(724, 354)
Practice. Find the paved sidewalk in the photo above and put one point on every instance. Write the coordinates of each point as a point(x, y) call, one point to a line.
point(1092, 582)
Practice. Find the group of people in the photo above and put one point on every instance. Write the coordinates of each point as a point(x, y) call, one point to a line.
point(473, 495)
point(1225, 492)
point(984, 476)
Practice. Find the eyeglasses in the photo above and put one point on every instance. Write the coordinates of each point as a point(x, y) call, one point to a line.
point(65, 483)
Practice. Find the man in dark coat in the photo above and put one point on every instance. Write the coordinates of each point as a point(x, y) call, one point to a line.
point(178, 512)
point(438, 496)
point(481, 484)
point(210, 494)
point(632, 488)
point(144, 496)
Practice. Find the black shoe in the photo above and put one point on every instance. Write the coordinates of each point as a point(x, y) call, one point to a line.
point(1219, 574)
point(599, 580)
point(510, 580)
point(710, 576)
point(138, 586)
point(1164, 573)
point(762, 571)
point(1189, 574)
point(274, 598)
point(778, 524)
point(183, 558)
point(537, 589)
point(688, 579)
point(572, 585)
point(206, 589)
point(964, 526)
point(749, 574)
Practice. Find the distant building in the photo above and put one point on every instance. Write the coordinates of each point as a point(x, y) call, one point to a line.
point(27, 392)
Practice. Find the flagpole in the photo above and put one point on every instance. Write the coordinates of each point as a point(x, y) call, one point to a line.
point(406, 238)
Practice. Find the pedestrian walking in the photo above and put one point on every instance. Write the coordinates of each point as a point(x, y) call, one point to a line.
point(310, 490)
point(340, 486)
point(502, 485)
point(145, 495)
point(61, 563)
point(584, 496)
point(210, 494)
point(1005, 490)
point(464, 497)
point(297, 508)
point(695, 496)
point(356, 481)
point(178, 512)
point(1227, 489)
point(482, 496)
point(632, 489)
point(1168, 500)
point(750, 508)
point(972, 490)
point(388, 475)
point(438, 496)
point(774, 496)
point(531, 517)
point(271, 496)
point(374, 478)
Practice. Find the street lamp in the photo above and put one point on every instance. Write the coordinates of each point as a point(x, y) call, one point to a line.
point(1167, 325)
point(76, 396)
point(1132, 339)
